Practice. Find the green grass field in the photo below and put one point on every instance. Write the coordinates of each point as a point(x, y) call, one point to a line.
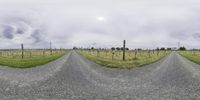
point(113, 59)
point(191, 55)
point(31, 58)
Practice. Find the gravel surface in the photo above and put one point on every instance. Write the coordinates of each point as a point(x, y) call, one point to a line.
point(73, 77)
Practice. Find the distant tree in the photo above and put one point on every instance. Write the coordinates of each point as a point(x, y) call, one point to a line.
point(157, 49)
point(118, 48)
point(92, 48)
point(139, 49)
point(195, 49)
point(182, 48)
point(75, 48)
point(169, 48)
point(103, 48)
point(113, 48)
point(162, 48)
point(121, 48)
point(80, 48)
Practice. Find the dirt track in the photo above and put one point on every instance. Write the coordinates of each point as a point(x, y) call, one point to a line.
point(74, 77)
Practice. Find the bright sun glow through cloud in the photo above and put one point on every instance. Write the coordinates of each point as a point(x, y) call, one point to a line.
point(100, 18)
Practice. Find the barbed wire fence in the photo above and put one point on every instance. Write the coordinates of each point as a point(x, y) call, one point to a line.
point(23, 52)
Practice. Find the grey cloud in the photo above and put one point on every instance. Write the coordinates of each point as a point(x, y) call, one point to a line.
point(196, 35)
point(20, 31)
point(36, 35)
point(8, 32)
point(180, 36)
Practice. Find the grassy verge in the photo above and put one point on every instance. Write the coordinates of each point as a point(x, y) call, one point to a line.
point(123, 64)
point(29, 62)
point(190, 56)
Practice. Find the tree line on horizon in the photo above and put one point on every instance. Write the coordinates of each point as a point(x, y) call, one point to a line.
point(121, 48)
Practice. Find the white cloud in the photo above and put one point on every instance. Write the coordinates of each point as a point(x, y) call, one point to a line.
point(68, 23)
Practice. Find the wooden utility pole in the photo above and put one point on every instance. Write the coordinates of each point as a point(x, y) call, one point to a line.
point(124, 49)
point(22, 48)
point(179, 45)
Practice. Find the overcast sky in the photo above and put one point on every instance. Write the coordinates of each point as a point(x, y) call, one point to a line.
point(99, 23)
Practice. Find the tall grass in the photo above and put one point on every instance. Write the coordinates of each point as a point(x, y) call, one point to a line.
point(113, 59)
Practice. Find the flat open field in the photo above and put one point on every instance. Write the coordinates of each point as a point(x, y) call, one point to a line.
point(113, 59)
point(31, 58)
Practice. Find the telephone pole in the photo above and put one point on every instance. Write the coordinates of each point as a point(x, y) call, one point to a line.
point(50, 48)
point(178, 45)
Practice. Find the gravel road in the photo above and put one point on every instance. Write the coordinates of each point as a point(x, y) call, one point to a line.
point(73, 77)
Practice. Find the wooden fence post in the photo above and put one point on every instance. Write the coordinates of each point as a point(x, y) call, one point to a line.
point(97, 53)
point(149, 53)
point(43, 53)
point(113, 55)
point(136, 54)
point(30, 54)
point(22, 49)
point(157, 52)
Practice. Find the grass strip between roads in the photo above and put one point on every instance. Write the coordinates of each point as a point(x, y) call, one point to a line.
point(123, 64)
point(190, 56)
point(29, 62)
